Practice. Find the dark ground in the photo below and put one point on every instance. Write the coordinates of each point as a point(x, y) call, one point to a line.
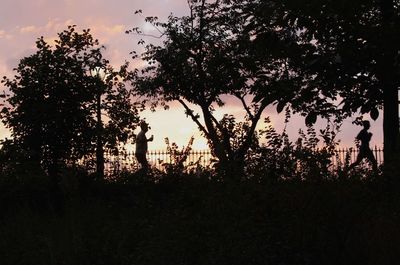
point(200, 222)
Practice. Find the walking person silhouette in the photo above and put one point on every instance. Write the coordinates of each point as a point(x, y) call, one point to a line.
point(141, 146)
point(365, 152)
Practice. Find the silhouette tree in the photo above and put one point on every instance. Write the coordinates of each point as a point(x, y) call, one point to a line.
point(115, 111)
point(51, 108)
point(204, 57)
point(365, 39)
point(347, 56)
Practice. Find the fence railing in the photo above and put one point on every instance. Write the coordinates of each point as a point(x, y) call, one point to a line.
point(342, 153)
point(157, 158)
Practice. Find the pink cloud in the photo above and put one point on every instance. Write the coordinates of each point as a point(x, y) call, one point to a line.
point(22, 22)
point(28, 29)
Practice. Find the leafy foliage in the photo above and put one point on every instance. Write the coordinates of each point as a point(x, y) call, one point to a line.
point(210, 54)
point(309, 158)
point(177, 158)
point(52, 103)
point(342, 57)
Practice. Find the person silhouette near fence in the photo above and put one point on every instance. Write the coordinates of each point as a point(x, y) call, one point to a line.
point(141, 146)
point(365, 152)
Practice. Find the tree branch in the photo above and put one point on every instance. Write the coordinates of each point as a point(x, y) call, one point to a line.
point(150, 35)
point(223, 131)
point(246, 144)
point(245, 106)
point(189, 112)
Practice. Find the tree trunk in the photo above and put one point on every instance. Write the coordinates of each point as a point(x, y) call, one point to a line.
point(391, 133)
point(99, 141)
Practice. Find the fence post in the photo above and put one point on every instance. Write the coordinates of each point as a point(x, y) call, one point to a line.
point(127, 159)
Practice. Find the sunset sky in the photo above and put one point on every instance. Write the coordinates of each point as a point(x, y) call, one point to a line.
point(23, 21)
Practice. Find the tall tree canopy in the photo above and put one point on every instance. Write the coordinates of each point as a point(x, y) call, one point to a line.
point(207, 55)
point(318, 58)
point(346, 57)
point(52, 103)
point(356, 58)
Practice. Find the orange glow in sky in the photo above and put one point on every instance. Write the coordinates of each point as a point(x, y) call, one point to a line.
point(22, 22)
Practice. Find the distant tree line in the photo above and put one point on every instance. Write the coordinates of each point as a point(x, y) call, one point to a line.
point(328, 59)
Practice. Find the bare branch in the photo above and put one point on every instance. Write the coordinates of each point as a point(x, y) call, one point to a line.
point(216, 122)
point(245, 145)
point(223, 132)
point(245, 106)
point(150, 35)
point(189, 112)
point(139, 12)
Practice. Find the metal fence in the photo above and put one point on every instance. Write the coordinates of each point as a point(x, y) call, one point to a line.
point(158, 158)
point(351, 153)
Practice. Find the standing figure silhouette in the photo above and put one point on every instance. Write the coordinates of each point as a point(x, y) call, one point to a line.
point(365, 152)
point(141, 146)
